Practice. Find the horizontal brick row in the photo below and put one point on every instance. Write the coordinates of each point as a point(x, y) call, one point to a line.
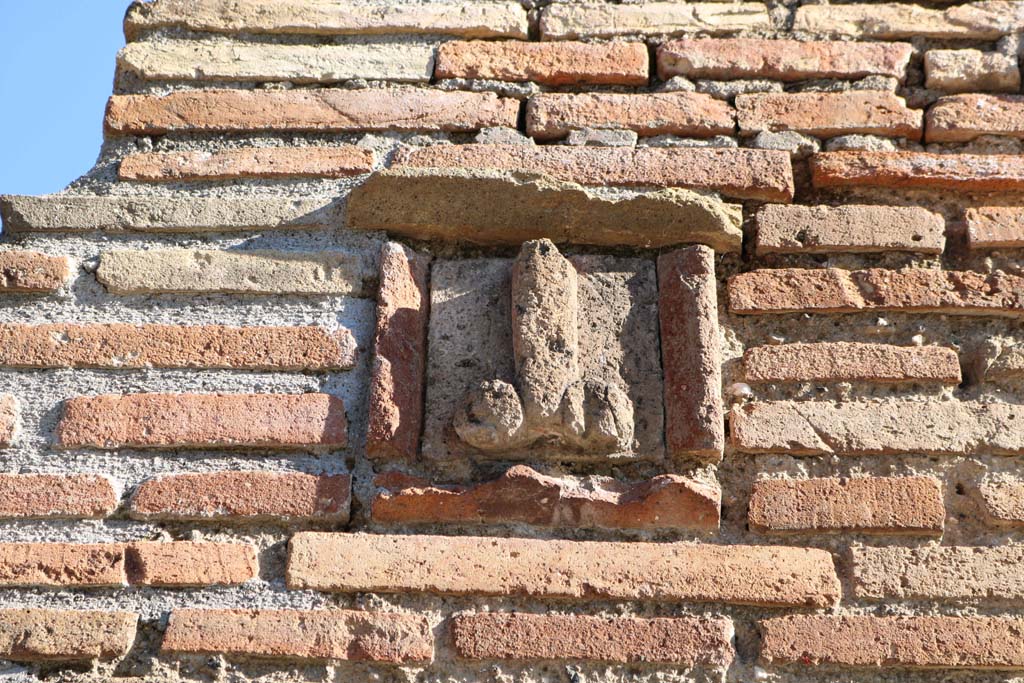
point(279, 421)
point(567, 63)
point(749, 575)
point(249, 162)
point(29, 271)
point(851, 362)
point(68, 496)
point(826, 115)
point(964, 71)
point(47, 635)
point(919, 170)
point(997, 227)
point(981, 20)
point(962, 118)
point(940, 574)
point(570, 21)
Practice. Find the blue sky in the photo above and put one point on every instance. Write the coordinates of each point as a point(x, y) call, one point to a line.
point(56, 73)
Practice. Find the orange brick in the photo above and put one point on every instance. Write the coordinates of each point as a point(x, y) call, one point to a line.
point(851, 362)
point(563, 63)
point(250, 162)
point(327, 110)
point(66, 496)
point(244, 496)
point(9, 409)
point(577, 570)
point(186, 564)
point(61, 565)
point(175, 346)
point(45, 635)
point(29, 271)
point(543, 637)
point(919, 170)
point(203, 421)
point(962, 118)
point(940, 573)
point(886, 505)
point(995, 227)
point(295, 634)
point(826, 115)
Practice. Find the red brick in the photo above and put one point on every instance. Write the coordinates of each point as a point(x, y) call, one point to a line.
point(46, 635)
point(9, 410)
point(65, 496)
point(186, 564)
point(885, 505)
point(551, 116)
point(400, 353)
point(894, 642)
point(851, 362)
point(781, 60)
point(995, 227)
point(327, 110)
point(548, 637)
point(120, 346)
point(919, 170)
point(851, 228)
point(912, 290)
point(749, 173)
point(564, 63)
point(244, 496)
point(576, 570)
point(203, 421)
point(29, 271)
point(961, 118)
point(61, 565)
point(294, 634)
point(691, 353)
point(525, 496)
point(827, 115)
point(250, 162)
point(1003, 502)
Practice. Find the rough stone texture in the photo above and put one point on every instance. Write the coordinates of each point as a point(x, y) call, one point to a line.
point(326, 110)
point(881, 505)
point(616, 63)
point(962, 118)
point(850, 228)
point(62, 565)
point(914, 290)
point(9, 409)
point(984, 20)
point(493, 207)
point(783, 60)
point(29, 271)
point(877, 428)
point(747, 575)
point(248, 162)
point(851, 362)
point(894, 642)
point(745, 173)
point(798, 145)
point(562, 21)
point(56, 635)
point(243, 497)
point(540, 637)
point(330, 17)
point(523, 495)
point(1007, 366)
point(1003, 502)
point(827, 115)
point(62, 496)
point(400, 354)
point(200, 271)
point(995, 227)
point(327, 634)
point(602, 137)
point(119, 346)
point(203, 421)
point(551, 116)
point(961, 172)
point(190, 565)
point(961, 574)
point(958, 71)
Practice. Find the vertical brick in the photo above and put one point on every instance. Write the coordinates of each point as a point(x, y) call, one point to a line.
point(55, 635)
point(568, 63)
point(187, 564)
point(29, 271)
point(63, 496)
point(9, 420)
point(62, 565)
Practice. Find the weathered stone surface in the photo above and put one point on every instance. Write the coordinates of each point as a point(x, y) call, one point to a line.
point(827, 115)
point(564, 21)
point(121, 346)
point(985, 20)
point(1008, 364)
point(616, 63)
point(894, 642)
point(324, 110)
point(877, 428)
point(203, 421)
point(881, 505)
point(400, 354)
point(9, 410)
point(522, 495)
point(851, 362)
point(746, 173)
point(850, 228)
point(602, 137)
point(967, 172)
point(995, 227)
point(62, 496)
point(547, 637)
point(186, 564)
point(550, 116)
point(29, 271)
point(330, 17)
point(691, 353)
point(1003, 501)
point(243, 496)
point(67, 213)
point(249, 162)
point(62, 565)
point(950, 573)
point(781, 60)
point(293, 634)
point(959, 71)
point(962, 118)
point(460, 565)
point(913, 290)
point(196, 271)
point(44, 635)
point(489, 207)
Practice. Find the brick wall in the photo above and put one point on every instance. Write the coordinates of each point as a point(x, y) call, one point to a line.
point(541, 342)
